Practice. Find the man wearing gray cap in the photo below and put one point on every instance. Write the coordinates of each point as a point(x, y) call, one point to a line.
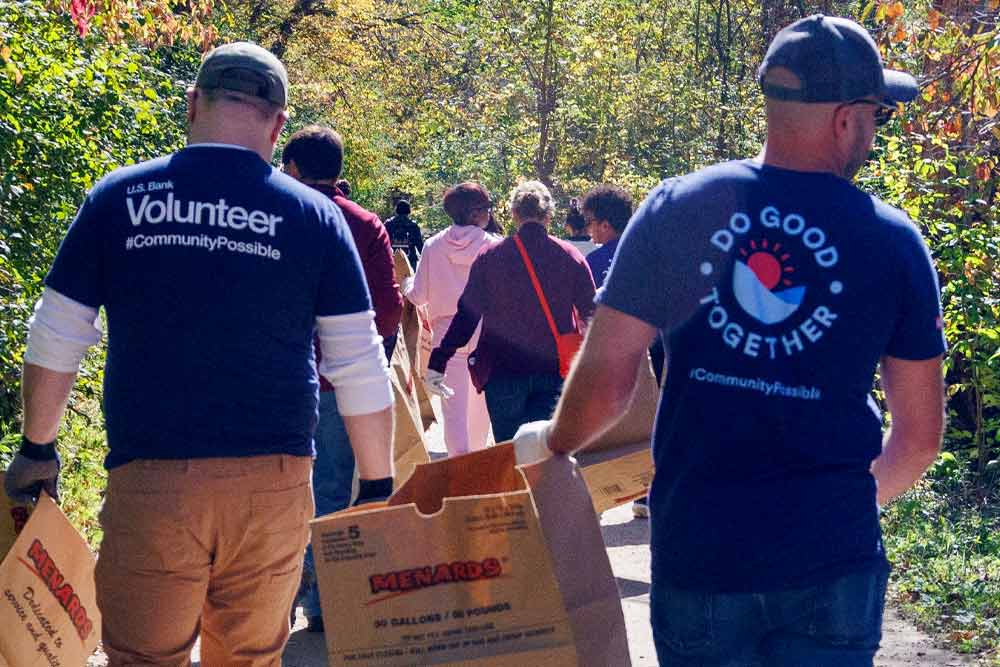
point(214, 270)
point(779, 288)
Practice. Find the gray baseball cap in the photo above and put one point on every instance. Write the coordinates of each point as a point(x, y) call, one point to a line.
point(835, 60)
point(245, 68)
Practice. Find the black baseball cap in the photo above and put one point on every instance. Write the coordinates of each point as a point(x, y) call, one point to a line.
point(835, 60)
point(245, 68)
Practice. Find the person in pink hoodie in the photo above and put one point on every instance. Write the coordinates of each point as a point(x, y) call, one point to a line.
point(438, 282)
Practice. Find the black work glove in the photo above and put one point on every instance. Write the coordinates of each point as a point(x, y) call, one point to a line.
point(373, 491)
point(35, 468)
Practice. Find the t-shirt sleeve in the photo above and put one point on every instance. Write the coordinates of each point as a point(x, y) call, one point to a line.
point(78, 269)
point(342, 287)
point(655, 275)
point(918, 333)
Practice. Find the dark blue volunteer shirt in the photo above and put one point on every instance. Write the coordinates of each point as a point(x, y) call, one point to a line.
point(599, 260)
point(777, 293)
point(212, 267)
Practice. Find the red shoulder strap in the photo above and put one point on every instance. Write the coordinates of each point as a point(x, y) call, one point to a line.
point(538, 287)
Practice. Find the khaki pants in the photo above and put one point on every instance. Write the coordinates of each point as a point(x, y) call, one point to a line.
point(202, 546)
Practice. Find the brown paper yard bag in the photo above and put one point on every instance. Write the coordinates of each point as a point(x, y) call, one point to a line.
point(13, 516)
point(417, 338)
point(48, 609)
point(472, 562)
point(618, 466)
point(409, 447)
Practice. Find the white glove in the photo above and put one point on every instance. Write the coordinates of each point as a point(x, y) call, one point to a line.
point(407, 285)
point(531, 442)
point(434, 382)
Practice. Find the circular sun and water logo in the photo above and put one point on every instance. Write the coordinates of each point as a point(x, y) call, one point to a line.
point(764, 282)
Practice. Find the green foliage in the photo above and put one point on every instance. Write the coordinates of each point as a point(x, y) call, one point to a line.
point(71, 110)
point(944, 541)
point(939, 164)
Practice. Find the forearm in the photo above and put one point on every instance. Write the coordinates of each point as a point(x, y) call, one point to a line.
point(902, 462)
point(601, 383)
point(45, 394)
point(459, 333)
point(371, 440)
point(584, 413)
point(914, 395)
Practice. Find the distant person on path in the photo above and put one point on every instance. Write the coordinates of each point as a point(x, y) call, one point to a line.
point(606, 211)
point(516, 360)
point(442, 274)
point(576, 228)
point(780, 288)
point(315, 155)
point(405, 233)
point(214, 270)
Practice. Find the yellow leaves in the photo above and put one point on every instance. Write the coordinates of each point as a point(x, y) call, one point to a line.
point(9, 67)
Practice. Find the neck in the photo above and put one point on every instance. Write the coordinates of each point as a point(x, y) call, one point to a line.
point(799, 153)
point(260, 145)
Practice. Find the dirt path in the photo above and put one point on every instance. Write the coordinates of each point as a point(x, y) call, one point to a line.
point(627, 540)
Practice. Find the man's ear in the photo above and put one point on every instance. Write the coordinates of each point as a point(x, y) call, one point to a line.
point(279, 125)
point(844, 128)
point(192, 95)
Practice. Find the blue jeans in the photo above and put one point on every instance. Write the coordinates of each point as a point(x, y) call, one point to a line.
point(333, 477)
point(513, 400)
point(836, 624)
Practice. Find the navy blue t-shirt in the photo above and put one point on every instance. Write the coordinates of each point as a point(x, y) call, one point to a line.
point(777, 292)
point(600, 259)
point(212, 267)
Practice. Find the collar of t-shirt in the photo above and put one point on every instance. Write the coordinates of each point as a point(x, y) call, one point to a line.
point(214, 144)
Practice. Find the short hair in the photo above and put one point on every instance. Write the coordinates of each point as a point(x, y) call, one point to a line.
point(531, 200)
point(265, 110)
point(317, 151)
point(574, 218)
point(344, 186)
point(402, 207)
point(460, 199)
point(611, 203)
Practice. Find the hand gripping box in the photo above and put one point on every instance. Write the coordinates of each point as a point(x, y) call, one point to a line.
point(474, 561)
point(48, 603)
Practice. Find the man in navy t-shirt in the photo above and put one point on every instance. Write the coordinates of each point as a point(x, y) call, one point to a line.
point(606, 212)
point(779, 288)
point(214, 270)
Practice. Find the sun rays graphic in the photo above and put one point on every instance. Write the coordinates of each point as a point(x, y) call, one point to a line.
point(769, 263)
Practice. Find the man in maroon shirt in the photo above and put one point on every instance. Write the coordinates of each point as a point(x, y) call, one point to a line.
point(315, 155)
point(516, 360)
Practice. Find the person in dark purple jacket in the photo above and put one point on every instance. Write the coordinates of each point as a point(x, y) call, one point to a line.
point(516, 360)
point(315, 155)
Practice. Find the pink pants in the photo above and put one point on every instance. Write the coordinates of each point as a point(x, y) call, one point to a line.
point(466, 420)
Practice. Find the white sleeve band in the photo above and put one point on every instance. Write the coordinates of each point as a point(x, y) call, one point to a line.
point(60, 332)
point(354, 362)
